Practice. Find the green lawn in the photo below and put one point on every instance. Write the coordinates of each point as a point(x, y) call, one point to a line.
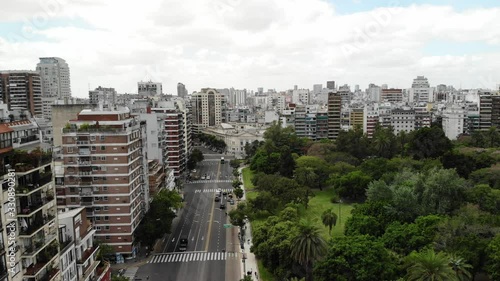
point(321, 202)
point(247, 178)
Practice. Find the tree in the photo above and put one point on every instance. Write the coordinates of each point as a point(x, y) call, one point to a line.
point(356, 258)
point(379, 191)
point(307, 247)
point(105, 251)
point(247, 278)
point(493, 264)
point(429, 266)
point(460, 267)
point(238, 192)
point(353, 185)
point(236, 183)
point(384, 142)
point(353, 142)
point(197, 155)
point(235, 163)
point(329, 218)
point(238, 216)
point(312, 171)
point(428, 143)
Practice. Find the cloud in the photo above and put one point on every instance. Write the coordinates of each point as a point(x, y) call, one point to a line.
point(250, 44)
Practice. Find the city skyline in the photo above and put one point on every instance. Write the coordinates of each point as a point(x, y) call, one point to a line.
point(270, 44)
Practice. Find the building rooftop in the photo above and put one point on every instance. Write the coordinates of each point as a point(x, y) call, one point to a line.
point(70, 213)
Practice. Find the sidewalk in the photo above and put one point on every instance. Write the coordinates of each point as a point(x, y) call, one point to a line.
point(250, 263)
point(141, 259)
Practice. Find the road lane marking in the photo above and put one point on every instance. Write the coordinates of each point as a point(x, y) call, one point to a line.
point(211, 217)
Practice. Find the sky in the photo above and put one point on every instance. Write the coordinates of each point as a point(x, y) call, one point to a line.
point(274, 44)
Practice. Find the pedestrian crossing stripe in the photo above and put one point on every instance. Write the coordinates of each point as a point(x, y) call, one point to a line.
point(212, 190)
point(210, 181)
point(192, 256)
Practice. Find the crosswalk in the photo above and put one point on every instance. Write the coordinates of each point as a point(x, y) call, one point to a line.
point(209, 181)
point(212, 190)
point(193, 256)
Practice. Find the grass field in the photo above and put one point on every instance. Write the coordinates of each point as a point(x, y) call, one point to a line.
point(322, 202)
point(317, 205)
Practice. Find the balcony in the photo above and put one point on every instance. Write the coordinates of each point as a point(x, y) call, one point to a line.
point(84, 151)
point(87, 202)
point(35, 182)
point(61, 191)
point(27, 209)
point(37, 244)
point(45, 260)
point(87, 254)
point(101, 271)
point(86, 193)
point(35, 226)
point(29, 139)
point(24, 161)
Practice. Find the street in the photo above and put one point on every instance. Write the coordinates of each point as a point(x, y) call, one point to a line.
point(210, 255)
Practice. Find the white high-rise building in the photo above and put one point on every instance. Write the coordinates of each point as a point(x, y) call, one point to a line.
point(206, 106)
point(421, 90)
point(317, 89)
point(54, 73)
point(453, 121)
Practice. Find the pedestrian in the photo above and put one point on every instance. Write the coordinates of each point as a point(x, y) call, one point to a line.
point(147, 278)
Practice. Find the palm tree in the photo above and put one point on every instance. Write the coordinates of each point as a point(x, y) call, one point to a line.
point(308, 246)
point(460, 267)
point(429, 266)
point(329, 218)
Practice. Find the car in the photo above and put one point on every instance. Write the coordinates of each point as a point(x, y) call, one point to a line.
point(208, 177)
point(224, 193)
point(222, 206)
point(202, 177)
point(217, 199)
point(230, 195)
point(231, 201)
point(193, 171)
point(218, 191)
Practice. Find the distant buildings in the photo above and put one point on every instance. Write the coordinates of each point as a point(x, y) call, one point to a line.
point(149, 89)
point(55, 76)
point(101, 95)
point(334, 114)
point(181, 90)
point(206, 107)
point(22, 91)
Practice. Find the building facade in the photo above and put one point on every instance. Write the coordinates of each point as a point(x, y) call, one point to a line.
point(22, 91)
point(102, 154)
point(206, 107)
point(55, 76)
point(149, 89)
point(334, 114)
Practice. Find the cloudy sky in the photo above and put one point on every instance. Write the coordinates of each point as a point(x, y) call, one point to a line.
point(273, 44)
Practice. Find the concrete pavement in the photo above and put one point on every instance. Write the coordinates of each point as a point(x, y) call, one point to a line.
point(250, 263)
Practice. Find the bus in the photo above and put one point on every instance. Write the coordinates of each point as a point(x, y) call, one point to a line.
point(183, 243)
point(222, 160)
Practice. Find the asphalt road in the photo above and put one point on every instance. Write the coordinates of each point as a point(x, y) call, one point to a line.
point(202, 223)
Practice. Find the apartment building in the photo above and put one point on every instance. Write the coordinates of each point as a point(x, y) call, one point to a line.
point(149, 89)
point(22, 91)
point(453, 121)
point(334, 114)
point(403, 120)
point(356, 118)
point(370, 120)
point(157, 177)
point(103, 95)
point(322, 124)
point(206, 107)
point(177, 140)
point(392, 95)
point(78, 256)
point(103, 171)
point(30, 214)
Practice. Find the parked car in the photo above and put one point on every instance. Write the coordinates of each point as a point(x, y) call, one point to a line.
point(217, 199)
point(231, 201)
point(222, 206)
point(202, 177)
point(208, 177)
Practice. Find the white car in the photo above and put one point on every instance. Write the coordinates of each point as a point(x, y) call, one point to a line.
point(218, 191)
point(208, 177)
point(202, 177)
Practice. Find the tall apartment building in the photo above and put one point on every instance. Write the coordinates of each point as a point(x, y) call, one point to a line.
point(356, 118)
point(30, 213)
point(181, 90)
point(22, 90)
point(374, 92)
point(177, 132)
point(330, 85)
point(103, 171)
point(78, 256)
point(370, 120)
point(149, 89)
point(489, 111)
point(392, 95)
point(421, 91)
point(103, 95)
point(55, 76)
point(334, 114)
point(453, 121)
point(322, 125)
point(206, 107)
point(403, 120)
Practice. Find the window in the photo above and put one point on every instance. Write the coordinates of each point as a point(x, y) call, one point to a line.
point(105, 208)
point(102, 138)
point(70, 149)
point(105, 198)
point(107, 227)
point(72, 189)
point(73, 200)
point(103, 147)
point(97, 218)
point(107, 237)
point(92, 138)
point(106, 218)
point(103, 158)
point(93, 148)
point(94, 157)
point(104, 188)
point(98, 228)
